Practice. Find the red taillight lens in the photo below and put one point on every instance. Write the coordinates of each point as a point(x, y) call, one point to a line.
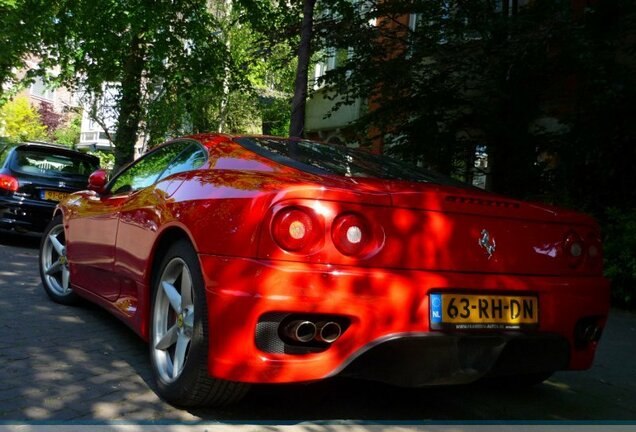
point(295, 229)
point(594, 250)
point(8, 183)
point(351, 234)
point(574, 249)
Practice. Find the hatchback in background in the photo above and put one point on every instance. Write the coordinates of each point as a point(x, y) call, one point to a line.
point(34, 177)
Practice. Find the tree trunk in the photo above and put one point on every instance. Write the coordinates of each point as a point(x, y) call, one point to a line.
point(130, 104)
point(297, 123)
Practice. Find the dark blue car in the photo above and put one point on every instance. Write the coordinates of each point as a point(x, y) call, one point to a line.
point(34, 177)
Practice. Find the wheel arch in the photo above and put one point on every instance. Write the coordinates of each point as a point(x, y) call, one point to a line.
point(57, 212)
point(166, 238)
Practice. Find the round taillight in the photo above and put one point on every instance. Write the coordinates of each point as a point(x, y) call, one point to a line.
point(351, 234)
point(8, 182)
point(594, 250)
point(574, 249)
point(294, 230)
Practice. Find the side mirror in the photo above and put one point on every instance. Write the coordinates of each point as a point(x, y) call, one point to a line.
point(97, 181)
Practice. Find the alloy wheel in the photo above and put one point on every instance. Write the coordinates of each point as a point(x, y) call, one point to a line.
point(173, 320)
point(54, 263)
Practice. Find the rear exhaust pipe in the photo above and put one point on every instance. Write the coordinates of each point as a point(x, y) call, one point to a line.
point(328, 331)
point(300, 331)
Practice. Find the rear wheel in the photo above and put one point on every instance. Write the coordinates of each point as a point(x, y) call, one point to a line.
point(179, 334)
point(54, 270)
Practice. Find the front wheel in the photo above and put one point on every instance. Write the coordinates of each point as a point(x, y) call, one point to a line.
point(54, 270)
point(179, 334)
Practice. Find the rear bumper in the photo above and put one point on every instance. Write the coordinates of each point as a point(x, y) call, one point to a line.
point(26, 215)
point(414, 360)
point(389, 337)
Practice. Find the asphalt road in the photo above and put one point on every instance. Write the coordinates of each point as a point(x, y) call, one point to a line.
point(78, 363)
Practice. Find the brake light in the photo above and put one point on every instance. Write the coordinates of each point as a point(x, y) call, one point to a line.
point(351, 234)
point(8, 183)
point(574, 249)
point(295, 229)
point(594, 250)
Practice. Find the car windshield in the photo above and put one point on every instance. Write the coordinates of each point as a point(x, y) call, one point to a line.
point(320, 158)
point(48, 163)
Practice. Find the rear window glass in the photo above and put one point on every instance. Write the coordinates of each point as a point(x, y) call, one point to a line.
point(52, 164)
point(320, 158)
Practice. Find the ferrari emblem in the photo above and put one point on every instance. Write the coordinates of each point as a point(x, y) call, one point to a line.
point(487, 243)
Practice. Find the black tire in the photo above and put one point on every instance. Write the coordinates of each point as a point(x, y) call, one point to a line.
point(53, 264)
point(192, 386)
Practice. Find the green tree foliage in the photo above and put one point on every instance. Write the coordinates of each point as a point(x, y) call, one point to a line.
point(23, 24)
point(21, 121)
point(620, 254)
point(106, 160)
point(465, 74)
point(68, 134)
point(147, 47)
point(257, 76)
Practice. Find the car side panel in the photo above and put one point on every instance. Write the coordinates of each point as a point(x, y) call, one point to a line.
point(141, 219)
point(91, 229)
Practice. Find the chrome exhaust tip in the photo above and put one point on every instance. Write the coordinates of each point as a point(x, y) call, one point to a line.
point(328, 331)
point(301, 331)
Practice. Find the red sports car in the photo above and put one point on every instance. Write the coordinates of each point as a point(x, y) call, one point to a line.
point(268, 260)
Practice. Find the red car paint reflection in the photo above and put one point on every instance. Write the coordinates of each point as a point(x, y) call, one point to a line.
point(313, 264)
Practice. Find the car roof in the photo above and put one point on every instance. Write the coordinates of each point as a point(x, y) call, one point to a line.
point(51, 146)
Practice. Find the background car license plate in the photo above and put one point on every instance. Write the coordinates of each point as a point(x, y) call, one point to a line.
point(54, 195)
point(468, 311)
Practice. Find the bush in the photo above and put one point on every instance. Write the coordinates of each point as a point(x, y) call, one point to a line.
point(21, 122)
point(69, 133)
point(106, 160)
point(620, 255)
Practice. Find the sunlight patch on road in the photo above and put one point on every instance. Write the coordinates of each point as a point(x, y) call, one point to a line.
point(558, 385)
point(71, 319)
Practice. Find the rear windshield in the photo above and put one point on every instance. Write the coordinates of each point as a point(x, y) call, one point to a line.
point(320, 158)
point(52, 164)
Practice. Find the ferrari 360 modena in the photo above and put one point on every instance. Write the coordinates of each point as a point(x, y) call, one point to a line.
point(248, 259)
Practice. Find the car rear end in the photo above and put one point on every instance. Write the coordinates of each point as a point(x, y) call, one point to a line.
point(409, 283)
point(34, 178)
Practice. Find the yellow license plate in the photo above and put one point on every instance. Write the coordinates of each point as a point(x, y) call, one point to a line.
point(469, 311)
point(54, 195)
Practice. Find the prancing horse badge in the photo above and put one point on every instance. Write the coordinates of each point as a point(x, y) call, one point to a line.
point(487, 243)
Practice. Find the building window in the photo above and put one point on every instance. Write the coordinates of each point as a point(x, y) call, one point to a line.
point(40, 90)
point(89, 136)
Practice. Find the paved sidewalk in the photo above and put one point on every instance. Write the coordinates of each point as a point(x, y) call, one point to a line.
point(312, 427)
point(67, 362)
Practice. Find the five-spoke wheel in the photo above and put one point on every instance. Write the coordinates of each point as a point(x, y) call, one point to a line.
point(54, 269)
point(173, 319)
point(179, 333)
